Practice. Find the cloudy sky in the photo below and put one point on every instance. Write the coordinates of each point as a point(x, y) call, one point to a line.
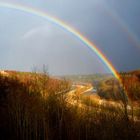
point(28, 41)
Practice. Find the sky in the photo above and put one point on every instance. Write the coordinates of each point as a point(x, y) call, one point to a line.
point(28, 41)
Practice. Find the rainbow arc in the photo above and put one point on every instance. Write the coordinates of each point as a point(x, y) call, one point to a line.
point(61, 24)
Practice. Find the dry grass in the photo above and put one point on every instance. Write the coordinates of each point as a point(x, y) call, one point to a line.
point(36, 107)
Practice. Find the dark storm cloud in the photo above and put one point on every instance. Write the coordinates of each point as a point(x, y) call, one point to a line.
point(93, 18)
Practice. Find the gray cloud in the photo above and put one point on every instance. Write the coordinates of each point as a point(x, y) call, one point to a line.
point(48, 44)
point(55, 48)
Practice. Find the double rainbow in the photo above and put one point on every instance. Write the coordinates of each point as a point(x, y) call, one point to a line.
point(65, 27)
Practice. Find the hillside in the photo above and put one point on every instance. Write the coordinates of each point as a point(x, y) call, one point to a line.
point(35, 106)
point(131, 82)
point(91, 78)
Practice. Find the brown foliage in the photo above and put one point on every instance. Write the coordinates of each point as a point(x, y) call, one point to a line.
point(34, 107)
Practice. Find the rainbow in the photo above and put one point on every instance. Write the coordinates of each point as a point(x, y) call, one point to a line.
point(65, 27)
point(117, 19)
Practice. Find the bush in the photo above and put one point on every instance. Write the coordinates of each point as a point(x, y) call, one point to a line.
point(37, 109)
